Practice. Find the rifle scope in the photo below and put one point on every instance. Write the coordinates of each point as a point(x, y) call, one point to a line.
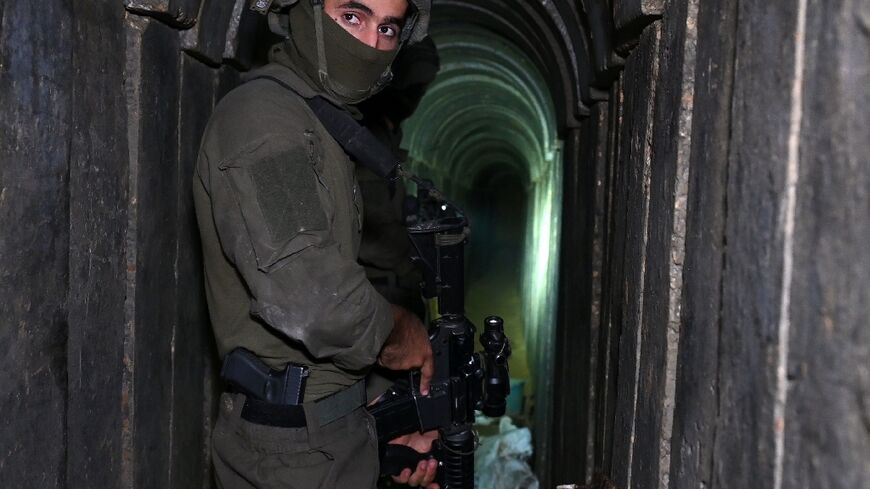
point(496, 350)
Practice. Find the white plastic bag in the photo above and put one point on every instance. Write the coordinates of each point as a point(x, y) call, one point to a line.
point(501, 462)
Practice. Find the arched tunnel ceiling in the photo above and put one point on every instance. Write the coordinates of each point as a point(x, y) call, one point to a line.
point(570, 42)
point(488, 105)
point(515, 75)
point(548, 33)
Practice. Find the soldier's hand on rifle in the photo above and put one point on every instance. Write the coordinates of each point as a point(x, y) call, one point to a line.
point(408, 347)
point(424, 473)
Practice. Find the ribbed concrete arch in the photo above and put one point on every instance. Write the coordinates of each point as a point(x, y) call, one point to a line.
point(549, 35)
point(487, 90)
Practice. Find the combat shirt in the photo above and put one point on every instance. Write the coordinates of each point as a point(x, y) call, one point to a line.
point(280, 216)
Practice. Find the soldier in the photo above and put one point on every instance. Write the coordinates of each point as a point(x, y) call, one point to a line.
point(280, 216)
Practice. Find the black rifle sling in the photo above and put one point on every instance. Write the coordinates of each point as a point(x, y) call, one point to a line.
point(356, 140)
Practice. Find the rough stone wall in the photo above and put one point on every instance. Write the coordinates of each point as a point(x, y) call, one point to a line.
point(104, 341)
point(723, 252)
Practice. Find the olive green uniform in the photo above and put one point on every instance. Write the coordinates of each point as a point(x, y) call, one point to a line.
point(280, 215)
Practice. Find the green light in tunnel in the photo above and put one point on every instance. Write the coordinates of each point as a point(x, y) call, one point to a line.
point(490, 108)
point(542, 262)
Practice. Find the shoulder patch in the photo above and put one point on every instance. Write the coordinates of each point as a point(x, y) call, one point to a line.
point(286, 189)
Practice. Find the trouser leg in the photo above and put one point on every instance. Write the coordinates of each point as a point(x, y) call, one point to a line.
point(251, 456)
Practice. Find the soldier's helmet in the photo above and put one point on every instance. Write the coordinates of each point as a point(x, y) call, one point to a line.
point(415, 30)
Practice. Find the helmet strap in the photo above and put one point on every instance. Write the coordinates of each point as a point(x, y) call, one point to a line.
point(322, 68)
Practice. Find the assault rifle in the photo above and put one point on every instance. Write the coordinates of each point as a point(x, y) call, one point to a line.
point(463, 381)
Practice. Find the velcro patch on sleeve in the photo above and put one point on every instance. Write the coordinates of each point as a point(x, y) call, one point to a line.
point(287, 195)
point(278, 192)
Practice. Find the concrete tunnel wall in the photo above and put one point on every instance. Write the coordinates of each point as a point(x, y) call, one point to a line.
point(712, 284)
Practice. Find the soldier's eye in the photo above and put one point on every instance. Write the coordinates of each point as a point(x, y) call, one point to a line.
point(388, 31)
point(351, 18)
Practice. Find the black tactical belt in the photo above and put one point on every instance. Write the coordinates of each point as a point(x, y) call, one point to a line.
point(327, 409)
point(275, 398)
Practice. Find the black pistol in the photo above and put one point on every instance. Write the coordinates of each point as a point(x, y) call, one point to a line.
point(246, 373)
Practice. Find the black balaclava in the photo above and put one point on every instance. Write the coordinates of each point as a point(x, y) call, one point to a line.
point(341, 65)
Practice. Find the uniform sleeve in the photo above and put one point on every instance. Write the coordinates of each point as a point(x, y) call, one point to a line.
point(269, 206)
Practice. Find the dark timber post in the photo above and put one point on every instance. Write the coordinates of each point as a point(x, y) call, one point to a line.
point(105, 351)
point(733, 341)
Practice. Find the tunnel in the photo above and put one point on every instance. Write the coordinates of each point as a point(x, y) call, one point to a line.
point(667, 204)
point(486, 133)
